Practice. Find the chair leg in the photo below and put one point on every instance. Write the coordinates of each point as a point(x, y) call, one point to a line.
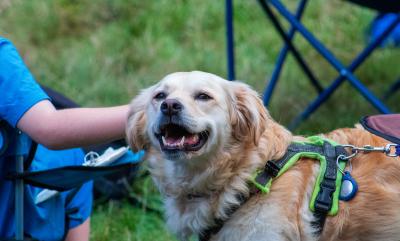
point(281, 58)
point(345, 73)
point(229, 39)
point(339, 80)
point(291, 47)
point(393, 88)
point(331, 58)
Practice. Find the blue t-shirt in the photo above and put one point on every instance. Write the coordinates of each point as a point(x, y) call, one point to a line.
point(45, 221)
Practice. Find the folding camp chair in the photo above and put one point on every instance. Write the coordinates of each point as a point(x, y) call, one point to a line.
point(62, 178)
point(345, 73)
point(59, 179)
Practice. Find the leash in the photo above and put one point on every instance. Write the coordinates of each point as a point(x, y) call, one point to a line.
point(390, 150)
point(349, 186)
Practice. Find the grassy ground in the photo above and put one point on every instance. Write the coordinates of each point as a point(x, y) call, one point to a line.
point(103, 52)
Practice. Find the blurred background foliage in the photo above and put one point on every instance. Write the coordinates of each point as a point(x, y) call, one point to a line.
point(103, 52)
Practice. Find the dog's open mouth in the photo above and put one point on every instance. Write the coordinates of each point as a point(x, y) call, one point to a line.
point(173, 137)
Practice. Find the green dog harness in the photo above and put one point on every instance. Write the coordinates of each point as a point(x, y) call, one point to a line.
point(325, 197)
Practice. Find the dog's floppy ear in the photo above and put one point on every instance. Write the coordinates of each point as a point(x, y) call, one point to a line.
point(247, 113)
point(137, 121)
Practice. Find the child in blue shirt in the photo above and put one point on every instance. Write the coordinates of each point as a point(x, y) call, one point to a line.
point(24, 105)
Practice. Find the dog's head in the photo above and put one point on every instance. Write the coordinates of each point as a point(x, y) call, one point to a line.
point(189, 115)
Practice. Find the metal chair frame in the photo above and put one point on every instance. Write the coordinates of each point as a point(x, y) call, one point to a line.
point(345, 72)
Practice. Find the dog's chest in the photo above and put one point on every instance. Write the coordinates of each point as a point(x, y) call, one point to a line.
point(188, 215)
point(259, 220)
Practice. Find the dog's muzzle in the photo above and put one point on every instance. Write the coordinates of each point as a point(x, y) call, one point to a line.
point(173, 133)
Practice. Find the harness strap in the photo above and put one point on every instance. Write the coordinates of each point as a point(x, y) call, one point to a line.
point(206, 235)
point(219, 223)
point(323, 202)
point(325, 197)
point(273, 167)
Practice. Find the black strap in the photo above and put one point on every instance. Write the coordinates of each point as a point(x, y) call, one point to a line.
point(77, 175)
point(273, 167)
point(3, 136)
point(324, 200)
point(219, 223)
point(5, 132)
point(59, 100)
point(31, 155)
point(206, 235)
point(26, 238)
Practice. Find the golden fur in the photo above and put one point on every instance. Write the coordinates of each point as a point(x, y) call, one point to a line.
point(199, 186)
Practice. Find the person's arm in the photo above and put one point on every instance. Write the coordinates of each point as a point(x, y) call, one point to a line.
point(76, 127)
point(80, 233)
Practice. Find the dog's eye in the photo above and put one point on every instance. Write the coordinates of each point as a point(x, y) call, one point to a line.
point(160, 96)
point(202, 96)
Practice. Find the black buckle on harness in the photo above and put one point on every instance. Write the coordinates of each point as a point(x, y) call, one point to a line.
point(323, 202)
point(272, 169)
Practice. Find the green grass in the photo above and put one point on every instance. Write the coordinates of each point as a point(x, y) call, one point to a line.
point(102, 52)
point(120, 220)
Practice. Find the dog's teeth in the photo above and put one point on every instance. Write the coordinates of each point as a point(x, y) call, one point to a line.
point(182, 141)
point(163, 140)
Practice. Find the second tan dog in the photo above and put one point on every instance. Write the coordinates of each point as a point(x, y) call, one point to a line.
point(205, 136)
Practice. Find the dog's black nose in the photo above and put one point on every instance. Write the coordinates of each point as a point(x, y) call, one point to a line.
point(171, 107)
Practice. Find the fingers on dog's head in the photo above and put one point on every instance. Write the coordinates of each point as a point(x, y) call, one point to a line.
point(137, 121)
point(248, 115)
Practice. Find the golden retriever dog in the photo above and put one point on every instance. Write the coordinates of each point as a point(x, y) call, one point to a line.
point(205, 136)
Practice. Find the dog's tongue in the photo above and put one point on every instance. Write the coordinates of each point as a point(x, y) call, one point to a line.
point(189, 140)
point(174, 140)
